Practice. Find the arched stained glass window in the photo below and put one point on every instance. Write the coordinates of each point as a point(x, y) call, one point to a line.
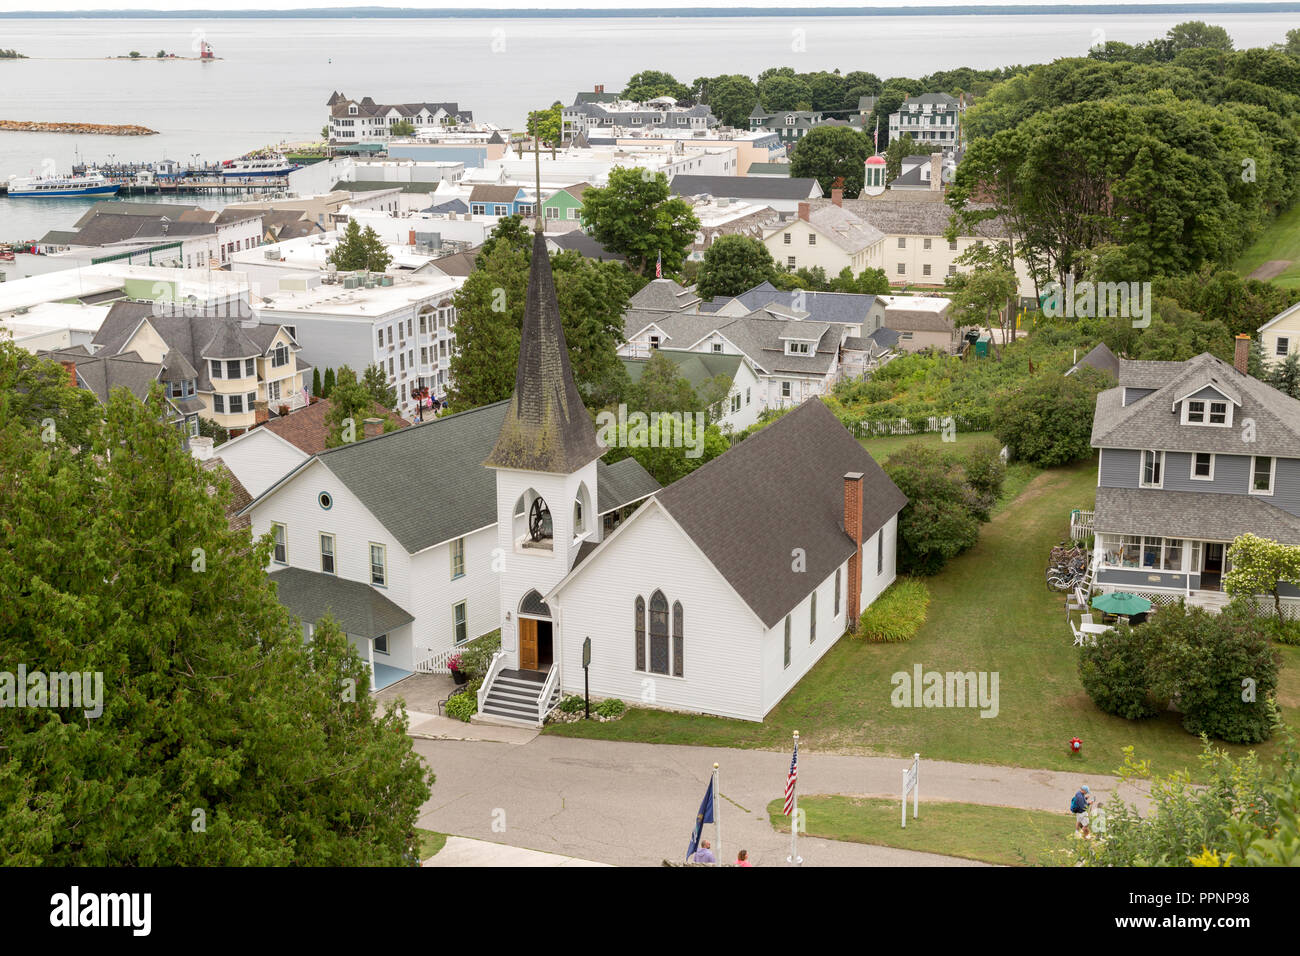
point(658, 633)
point(679, 639)
point(640, 633)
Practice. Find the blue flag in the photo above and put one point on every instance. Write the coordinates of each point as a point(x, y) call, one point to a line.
point(704, 816)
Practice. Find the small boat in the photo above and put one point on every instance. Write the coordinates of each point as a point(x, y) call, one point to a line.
point(269, 164)
point(87, 184)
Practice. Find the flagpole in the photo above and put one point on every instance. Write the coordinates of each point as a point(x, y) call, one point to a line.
point(717, 819)
point(794, 817)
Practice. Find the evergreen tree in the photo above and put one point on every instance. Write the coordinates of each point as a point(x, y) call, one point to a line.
point(218, 737)
point(360, 249)
point(315, 382)
point(328, 385)
point(1285, 376)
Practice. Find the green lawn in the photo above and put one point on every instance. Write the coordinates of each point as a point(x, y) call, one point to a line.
point(1281, 240)
point(990, 610)
point(1000, 835)
point(1018, 476)
point(431, 843)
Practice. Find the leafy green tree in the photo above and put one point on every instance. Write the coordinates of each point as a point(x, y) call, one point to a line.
point(867, 282)
point(39, 393)
point(351, 403)
point(218, 736)
point(1261, 566)
point(1196, 34)
point(832, 153)
point(984, 289)
point(733, 264)
point(510, 230)
point(489, 316)
point(649, 84)
point(1292, 45)
point(547, 124)
point(376, 383)
point(360, 249)
point(635, 216)
point(1115, 673)
point(826, 90)
point(781, 92)
point(940, 520)
point(327, 385)
point(593, 296)
point(402, 128)
point(888, 102)
point(1049, 421)
point(732, 98)
point(661, 388)
point(898, 150)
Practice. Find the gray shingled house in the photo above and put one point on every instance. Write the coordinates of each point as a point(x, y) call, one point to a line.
point(1192, 454)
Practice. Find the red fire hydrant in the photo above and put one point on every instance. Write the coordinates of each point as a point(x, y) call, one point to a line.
point(1075, 745)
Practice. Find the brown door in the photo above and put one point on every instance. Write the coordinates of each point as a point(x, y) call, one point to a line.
point(527, 644)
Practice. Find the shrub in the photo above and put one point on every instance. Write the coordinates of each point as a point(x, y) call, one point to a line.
point(943, 513)
point(572, 704)
point(1284, 632)
point(612, 707)
point(1218, 669)
point(897, 614)
point(1115, 675)
point(477, 655)
point(1049, 422)
point(462, 706)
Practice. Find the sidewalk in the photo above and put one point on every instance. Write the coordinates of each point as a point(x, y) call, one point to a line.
point(460, 851)
point(433, 727)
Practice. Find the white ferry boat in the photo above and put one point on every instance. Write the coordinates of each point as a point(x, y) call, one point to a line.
point(90, 184)
point(267, 165)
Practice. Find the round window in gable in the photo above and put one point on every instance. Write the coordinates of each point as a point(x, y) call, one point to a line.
point(325, 500)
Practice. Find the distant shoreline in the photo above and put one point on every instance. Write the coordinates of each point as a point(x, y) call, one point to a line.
point(640, 13)
point(81, 129)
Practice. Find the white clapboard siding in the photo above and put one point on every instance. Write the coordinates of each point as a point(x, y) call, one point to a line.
point(436, 593)
point(723, 669)
point(260, 458)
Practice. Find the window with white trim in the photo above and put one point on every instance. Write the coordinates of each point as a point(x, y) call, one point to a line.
point(381, 644)
point(1153, 466)
point(1282, 346)
point(327, 553)
point(1203, 466)
point(460, 623)
point(458, 558)
point(1262, 471)
point(378, 564)
point(280, 548)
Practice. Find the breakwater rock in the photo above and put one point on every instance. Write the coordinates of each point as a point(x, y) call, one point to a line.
point(87, 129)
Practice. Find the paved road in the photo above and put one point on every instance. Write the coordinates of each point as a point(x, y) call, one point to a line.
point(633, 804)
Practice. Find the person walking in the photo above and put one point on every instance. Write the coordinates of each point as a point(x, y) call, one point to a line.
point(742, 858)
point(1080, 804)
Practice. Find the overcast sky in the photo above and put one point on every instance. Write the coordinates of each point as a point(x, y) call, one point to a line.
point(665, 5)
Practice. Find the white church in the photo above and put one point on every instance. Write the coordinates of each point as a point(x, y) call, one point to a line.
point(714, 595)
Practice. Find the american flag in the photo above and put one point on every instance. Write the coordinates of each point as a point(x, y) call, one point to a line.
point(659, 266)
point(790, 779)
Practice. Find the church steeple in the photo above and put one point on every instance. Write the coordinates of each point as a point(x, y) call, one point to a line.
point(547, 427)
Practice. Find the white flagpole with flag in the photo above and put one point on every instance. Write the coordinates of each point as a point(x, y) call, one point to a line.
point(792, 803)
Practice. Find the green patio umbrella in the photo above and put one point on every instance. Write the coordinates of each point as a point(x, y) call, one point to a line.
point(1121, 602)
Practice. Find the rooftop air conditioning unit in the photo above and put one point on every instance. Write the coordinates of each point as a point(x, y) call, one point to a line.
point(351, 282)
point(272, 253)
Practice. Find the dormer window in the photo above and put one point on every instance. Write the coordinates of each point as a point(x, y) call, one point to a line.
point(280, 356)
point(1207, 411)
point(797, 348)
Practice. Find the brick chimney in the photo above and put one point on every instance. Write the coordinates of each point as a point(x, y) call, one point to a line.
point(1241, 358)
point(410, 237)
point(837, 196)
point(373, 427)
point(260, 413)
point(600, 87)
point(805, 210)
point(853, 528)
point(71, 369)
point(936, 171)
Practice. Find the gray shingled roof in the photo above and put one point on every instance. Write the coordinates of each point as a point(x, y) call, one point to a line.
point(917, 320)
point(447, 454)
point(663, 295)
point(850, 308)
point(844, 228)
point(587, 247)
point(1149, 422)
point(757, 335)
point(745, 187)
point(790, 478)
point(108, 228)
point(1204, 516)
point(1101, 358)
point(696, 367)
point(546, 426)
point(359, 608)
point(907, 217)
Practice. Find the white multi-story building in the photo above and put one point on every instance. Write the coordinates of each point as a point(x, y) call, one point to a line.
point(365, 121)
point(659, 113)
point(404, 324)
point(931, 118)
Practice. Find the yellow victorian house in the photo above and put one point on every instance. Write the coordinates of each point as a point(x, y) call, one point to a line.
point(232, 371)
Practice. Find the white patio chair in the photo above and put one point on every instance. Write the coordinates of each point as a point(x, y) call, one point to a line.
point(1085, 618)
point(1074, 603)
point(1078, 635)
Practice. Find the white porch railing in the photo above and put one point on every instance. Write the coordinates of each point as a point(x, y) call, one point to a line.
point(1081, 524)
point(494, 668)
point(435, 662)
point(548, 691)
